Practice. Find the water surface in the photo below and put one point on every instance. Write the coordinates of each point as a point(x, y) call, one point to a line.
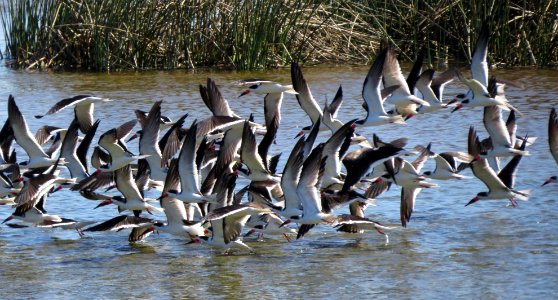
point(484, 250)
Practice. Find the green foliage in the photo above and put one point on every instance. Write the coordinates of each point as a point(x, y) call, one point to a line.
point(259, 34)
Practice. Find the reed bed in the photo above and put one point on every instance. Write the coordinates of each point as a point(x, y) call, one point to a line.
point(104, 35)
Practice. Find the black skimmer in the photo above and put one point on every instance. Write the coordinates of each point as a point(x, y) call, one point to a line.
point(309, 195)
point(142, 117)
point(499, 135)
point(497, 189)
point(269, 224)
point(223, 117)
point(251, 158)
point(149, 144)
point(479, 64)
point(446, 164)
point(119, 155)
point(373, 100)
point(407, 175)
point(331, 178)
point(214, 100)
point(403, 98)
point(37, 157)
point(360, 224)
point(178, 222)
point(132, 198)
point(171, 141)
point(77, 162)
point(432, 89)
point(83, 110)
point(123, 222)
point(266, 87)
point(364, 161)
point(272, 111)
point(30, 201)
point(186, 173)
point(289, 181)
point(481, 95)
point(227, 223)
point(553, 140)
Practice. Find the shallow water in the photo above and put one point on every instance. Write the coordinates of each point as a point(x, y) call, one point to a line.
point(484, 250)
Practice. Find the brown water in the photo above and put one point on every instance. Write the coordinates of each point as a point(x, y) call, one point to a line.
point(486, 250)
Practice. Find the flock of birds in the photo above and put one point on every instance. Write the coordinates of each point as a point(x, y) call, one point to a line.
point(196, 167)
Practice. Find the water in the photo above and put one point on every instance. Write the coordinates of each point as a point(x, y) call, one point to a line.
point(485, 250)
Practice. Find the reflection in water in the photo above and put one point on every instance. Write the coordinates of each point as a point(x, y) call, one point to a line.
point(485, 250)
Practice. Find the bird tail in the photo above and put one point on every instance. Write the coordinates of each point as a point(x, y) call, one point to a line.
point(155, 208)
point(521, 152)
point(425, 184)
point(522, 195)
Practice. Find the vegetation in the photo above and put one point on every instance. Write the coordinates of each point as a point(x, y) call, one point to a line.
point(257, 34)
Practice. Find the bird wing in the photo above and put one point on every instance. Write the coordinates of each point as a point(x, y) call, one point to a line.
point(84, 115)
point(124, 130)
point(21, 131)
point(248, 151)
point(60, 105)
point(291, 175)
point(479, 65)
point(219, 105)
point(83, 147)
point(371, 87)
point(304, 96)
point(68, 151)
point(486, 174)
point(494, 124)
point(120, 222)
point(553, 134)
point(439, 82)
point(408, 197)
point(187, 169)
point(307, 188)
point(272, 108)
point(174, 210)
point(125, 183)
point(392, 74)
point(44, 133)
point(149, 140)
point(424, 86)
point(34, 188)
point(333, 107)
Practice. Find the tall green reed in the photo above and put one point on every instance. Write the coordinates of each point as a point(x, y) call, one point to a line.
point(260, 34)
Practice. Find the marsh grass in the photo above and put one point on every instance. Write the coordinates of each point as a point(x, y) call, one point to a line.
point(106, 35)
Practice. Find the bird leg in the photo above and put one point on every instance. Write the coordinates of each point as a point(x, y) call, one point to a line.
point(513, 202)
point(287, 237)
